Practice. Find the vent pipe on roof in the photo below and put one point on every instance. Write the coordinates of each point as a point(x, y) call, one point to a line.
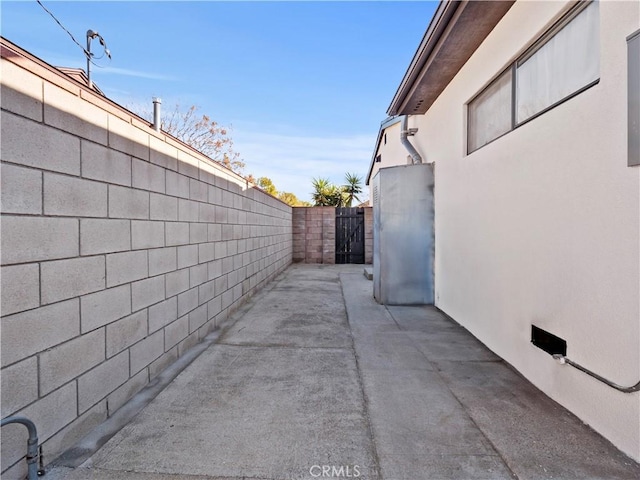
point(405, 131)
point(156, 113)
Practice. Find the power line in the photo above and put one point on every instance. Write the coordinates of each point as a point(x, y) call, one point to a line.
point(63, 27)
point(87, 53)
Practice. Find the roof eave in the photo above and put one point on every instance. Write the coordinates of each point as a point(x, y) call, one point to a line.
point(455, 32)
point(386, 123)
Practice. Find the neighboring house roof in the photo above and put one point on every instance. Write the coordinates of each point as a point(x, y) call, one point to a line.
point(79, 75)
point(383, 126)
point(455, 32)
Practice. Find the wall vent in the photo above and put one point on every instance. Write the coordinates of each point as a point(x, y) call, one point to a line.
point(548, 341)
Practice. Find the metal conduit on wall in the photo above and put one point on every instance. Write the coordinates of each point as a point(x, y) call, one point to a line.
point(32, 445)
point(567, 361)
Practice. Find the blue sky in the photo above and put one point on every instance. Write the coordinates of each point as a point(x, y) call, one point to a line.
point(304, 85)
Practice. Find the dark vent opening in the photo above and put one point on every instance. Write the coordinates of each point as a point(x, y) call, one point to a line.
point(548, 341)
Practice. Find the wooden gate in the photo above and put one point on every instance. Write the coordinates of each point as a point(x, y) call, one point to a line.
point(349, 235)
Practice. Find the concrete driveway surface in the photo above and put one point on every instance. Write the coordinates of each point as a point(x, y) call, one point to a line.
point(313, 379)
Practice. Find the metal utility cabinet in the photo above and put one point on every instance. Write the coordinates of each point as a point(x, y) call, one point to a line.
point(403, 235)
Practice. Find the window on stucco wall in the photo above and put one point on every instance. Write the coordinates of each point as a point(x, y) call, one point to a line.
point(562, 63)
point(490, 112)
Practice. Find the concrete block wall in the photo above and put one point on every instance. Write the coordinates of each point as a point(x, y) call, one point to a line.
point(314, 231)
point(299, 220)
point(368, 235)
point(327, 216)
point(314, 235)
point(121, 249)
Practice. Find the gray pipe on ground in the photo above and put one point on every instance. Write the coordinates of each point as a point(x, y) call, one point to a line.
point(32, 444)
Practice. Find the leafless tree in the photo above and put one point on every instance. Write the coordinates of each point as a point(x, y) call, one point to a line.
point(200, 132)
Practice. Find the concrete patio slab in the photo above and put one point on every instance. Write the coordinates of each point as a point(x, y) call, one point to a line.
point(435, 424)
point(537, 436)
point(315, 373)
point(249, 411)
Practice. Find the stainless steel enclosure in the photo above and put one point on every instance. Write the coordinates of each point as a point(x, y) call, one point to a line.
point(403, 235)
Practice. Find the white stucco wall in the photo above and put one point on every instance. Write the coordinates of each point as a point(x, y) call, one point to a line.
point(542, 226)
point(393, 152)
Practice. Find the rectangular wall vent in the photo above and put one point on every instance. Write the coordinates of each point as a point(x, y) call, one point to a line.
point(548, 341)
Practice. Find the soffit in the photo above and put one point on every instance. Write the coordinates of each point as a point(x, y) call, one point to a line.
point(456, 31)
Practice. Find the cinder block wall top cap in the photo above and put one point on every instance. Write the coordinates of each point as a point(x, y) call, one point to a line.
point(12, 53)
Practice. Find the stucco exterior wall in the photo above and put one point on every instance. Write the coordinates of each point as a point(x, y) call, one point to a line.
point(542, 226)
point(121, 249)
point(392, 152)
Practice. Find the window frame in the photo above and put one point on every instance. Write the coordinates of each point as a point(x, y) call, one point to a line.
point(550, 33)
point(479, 94)
point(633, 99)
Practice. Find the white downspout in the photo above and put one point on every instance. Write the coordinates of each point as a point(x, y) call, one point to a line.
point(405, 131)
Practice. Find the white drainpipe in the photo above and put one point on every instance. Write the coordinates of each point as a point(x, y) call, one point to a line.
point(405, 131)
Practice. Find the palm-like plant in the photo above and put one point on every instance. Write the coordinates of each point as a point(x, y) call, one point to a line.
point(352, 188)
point(336, 196)
point(322, 192)
point(326, 194)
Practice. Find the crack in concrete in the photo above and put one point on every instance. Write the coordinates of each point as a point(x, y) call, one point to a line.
point(365, 400)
